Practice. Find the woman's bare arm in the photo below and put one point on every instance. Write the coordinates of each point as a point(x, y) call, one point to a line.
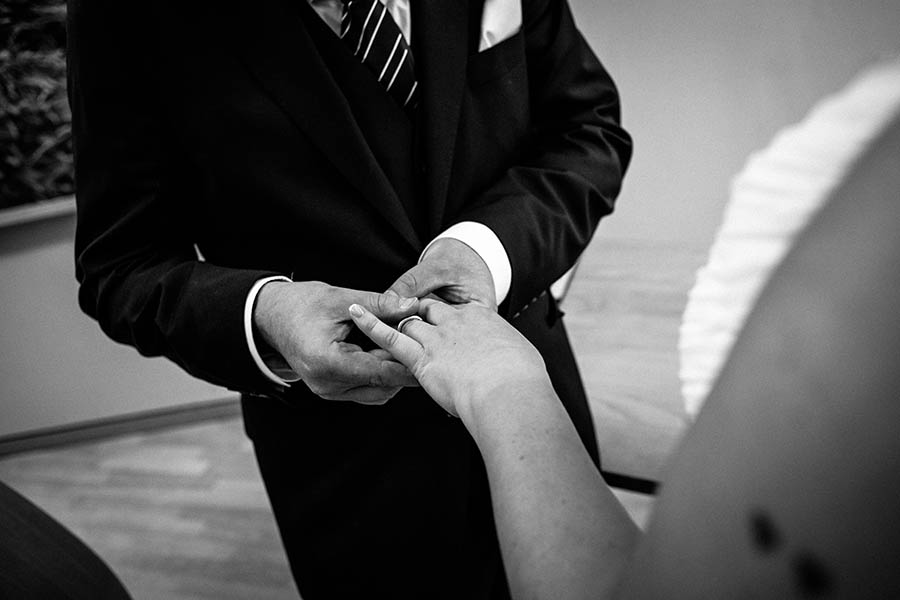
point(786, 486)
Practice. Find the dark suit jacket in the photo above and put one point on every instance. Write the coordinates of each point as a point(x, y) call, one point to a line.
point(228, 127)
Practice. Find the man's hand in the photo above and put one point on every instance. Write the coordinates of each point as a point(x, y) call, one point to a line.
point(307, 323)
point(452, 271)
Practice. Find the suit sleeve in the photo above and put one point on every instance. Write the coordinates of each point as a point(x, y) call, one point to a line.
point(139, 274)
point(546, 206)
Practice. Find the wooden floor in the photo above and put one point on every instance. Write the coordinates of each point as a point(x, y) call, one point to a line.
point(177, 514)
point(182, 513)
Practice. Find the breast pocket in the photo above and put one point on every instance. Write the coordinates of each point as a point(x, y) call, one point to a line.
point(497, 62)
point(495, 114)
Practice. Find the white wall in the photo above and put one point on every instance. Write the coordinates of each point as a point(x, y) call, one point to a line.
point(706, 82)
point(56, 366)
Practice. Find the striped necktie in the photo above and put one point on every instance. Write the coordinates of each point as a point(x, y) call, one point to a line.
point(374, 38)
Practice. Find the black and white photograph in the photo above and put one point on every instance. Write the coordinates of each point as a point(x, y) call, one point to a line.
point(449, 299)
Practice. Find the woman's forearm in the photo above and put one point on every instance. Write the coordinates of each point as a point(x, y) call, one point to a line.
point(562, 532)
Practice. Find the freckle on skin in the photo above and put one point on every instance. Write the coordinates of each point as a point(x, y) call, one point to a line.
point(811, 575)
point(763, 532)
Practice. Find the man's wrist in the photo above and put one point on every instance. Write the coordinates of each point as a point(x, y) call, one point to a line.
point(260, 324)
point(265, 311)
point(485, 243)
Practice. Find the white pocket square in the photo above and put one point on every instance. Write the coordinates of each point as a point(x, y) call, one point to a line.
point(500, 20)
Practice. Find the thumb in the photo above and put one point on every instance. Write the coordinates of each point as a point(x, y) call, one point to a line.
point(390, 306)
point(415, 283)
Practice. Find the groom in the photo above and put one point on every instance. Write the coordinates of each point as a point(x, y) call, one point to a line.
point(246, 172)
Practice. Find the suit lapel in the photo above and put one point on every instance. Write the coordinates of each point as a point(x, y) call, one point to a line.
point(440, 47)
point(275, 46)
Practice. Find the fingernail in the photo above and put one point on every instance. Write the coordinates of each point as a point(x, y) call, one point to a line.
point(356, 310)
point(406, 303)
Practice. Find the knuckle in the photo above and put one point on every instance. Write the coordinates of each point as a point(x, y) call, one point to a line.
point(383, 303)
point(314, 368)
point(376, 379)
point(391, 337)
point(381, 378)
point(372, 302)
point(319, 290)
point(428, 311)
point(321, 371)
point(408, 282)
point(366, 322)
point(384, 378)
point(370, 324)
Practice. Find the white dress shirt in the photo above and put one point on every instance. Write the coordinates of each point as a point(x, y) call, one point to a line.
point(477, 236)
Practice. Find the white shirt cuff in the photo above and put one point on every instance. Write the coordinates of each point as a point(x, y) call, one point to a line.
point(487, 245)
point(277, 369)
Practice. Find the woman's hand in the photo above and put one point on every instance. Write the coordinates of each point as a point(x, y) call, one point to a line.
point(461, 354)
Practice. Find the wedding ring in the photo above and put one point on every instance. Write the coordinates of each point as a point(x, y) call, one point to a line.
point(407, 320)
